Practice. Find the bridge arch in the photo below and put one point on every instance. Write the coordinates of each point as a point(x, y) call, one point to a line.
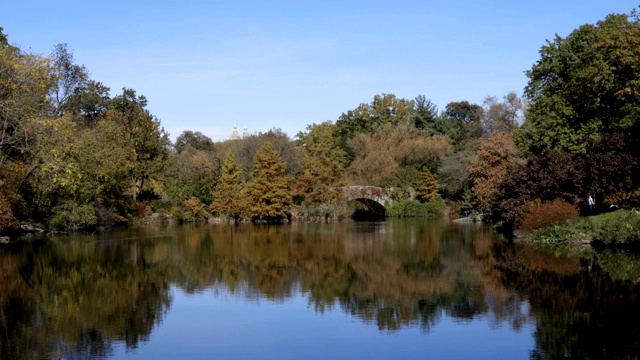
point(375, 198)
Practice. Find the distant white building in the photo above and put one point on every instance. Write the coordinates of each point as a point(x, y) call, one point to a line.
point(236, 136)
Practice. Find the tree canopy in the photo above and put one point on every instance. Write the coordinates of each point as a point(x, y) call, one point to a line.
point(585, 84)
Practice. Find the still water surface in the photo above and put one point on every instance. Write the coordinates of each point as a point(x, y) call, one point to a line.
point(377, 290)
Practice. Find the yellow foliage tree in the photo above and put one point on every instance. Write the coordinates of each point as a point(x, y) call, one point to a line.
point(428, 187)
point(229, 197)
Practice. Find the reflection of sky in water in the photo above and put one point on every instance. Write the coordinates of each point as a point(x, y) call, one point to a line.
point(218, 324)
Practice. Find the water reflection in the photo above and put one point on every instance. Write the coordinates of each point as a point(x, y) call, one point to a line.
point(78, 297)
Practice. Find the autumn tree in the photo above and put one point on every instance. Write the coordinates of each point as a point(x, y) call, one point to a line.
point(585, 84)
point(496, 156)
point(608, 170)
point(394, 156)
point(384, 109)
point(428, 187)
point(229, 197)
point(612, 169)
point(268, 188)
point(545, 177)
point(24, 83)
point(322, 166)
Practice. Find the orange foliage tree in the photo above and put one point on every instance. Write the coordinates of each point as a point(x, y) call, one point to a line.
point(496, 156)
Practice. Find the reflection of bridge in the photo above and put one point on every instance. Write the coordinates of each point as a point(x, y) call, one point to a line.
point(373, 197)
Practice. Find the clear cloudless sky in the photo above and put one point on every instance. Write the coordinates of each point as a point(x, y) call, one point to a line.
point(207, 65)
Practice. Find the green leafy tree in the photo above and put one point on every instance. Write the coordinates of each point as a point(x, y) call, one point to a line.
point(229, 196)
point(106, 159)
point(428, 187)
point(89, 103)
point(192, 173)
point(585, 84)
point(461, 121)
point(24, 82)
point(196, 140)
point(144, 133)
point(384, 109)
point(80, 170)
point(268, 188)
point(4, 42)
point(58, 175)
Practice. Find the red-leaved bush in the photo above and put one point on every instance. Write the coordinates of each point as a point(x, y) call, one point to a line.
point(551, 213)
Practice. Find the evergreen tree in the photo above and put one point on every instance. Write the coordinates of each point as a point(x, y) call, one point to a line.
point(425, 113)
point(428, 187)
point(268, 188)
point(229, 198)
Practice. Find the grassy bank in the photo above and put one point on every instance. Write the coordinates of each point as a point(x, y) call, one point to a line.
point(617, 228)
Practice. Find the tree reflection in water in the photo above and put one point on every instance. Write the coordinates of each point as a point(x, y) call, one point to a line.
point(74, 300)
point(78, 297)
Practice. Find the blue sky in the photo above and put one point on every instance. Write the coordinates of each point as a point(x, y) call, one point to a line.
point(207, 65)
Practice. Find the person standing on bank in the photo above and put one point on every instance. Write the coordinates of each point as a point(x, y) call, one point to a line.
point(591, 202)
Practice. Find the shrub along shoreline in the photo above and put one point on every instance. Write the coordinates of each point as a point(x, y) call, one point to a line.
point(620, 228)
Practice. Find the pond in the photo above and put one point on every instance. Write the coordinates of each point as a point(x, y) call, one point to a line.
point(408, 289)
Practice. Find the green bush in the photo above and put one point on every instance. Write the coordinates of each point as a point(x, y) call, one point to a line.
point(161, 206)
point(70, 216)
point(620, 230)
point(411, 208)
point(580, 230)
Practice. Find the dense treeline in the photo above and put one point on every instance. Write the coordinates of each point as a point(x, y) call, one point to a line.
point(73, 156)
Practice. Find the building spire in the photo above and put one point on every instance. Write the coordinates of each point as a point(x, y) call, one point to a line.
point(234, 134)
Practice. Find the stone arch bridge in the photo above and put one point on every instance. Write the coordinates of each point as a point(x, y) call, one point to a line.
point(376, 199)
